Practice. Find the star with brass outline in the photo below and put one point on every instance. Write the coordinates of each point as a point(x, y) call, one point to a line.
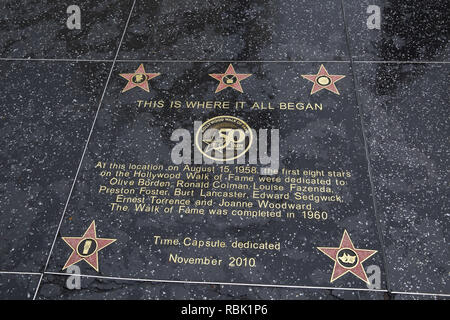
point(323, 80)
point(347, 259)
point(86, 247)
point(230, 79)
point(138, 79)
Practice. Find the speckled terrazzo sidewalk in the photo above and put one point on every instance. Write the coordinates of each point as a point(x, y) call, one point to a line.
point(100, 198)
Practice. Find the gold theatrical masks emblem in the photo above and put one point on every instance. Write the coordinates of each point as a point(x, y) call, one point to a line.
point(347, 258)
point(224, 138)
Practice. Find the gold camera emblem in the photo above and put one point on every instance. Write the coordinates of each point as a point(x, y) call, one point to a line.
point(224, 138)
point(139, 78)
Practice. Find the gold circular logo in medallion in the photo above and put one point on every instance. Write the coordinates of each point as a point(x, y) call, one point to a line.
point(224, 138)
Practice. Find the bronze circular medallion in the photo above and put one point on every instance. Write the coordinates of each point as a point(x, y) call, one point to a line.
point(224, 138)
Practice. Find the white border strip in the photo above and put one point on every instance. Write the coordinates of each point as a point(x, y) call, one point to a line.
point(422, 293)
point(235, 61)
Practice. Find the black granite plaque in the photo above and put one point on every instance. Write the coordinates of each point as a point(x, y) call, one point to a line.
point(224, 149)
point(245, 221)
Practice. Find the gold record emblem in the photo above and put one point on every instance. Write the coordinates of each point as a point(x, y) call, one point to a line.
point(224, 138)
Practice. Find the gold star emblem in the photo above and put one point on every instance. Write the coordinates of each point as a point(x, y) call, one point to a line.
point(86, 247)
point(323, 80)
point(347, 259)
point(138, 79)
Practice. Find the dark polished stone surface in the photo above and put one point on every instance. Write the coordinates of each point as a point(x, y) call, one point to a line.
point(329, 139)
point(37, 29)
point(236, 30)
point(406, 115)
point(410, 30)
point(54, 287)
point(402, 296)
point(18, 286)
point(395, 201)
point(47, 112)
